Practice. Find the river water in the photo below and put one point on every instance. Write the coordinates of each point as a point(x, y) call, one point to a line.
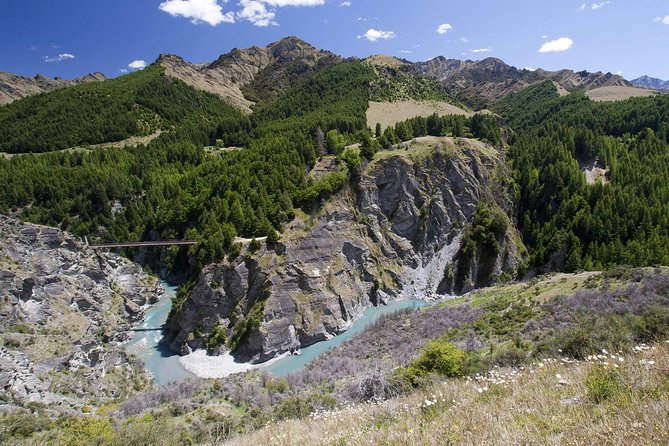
point(150, 346)
point(165, 365)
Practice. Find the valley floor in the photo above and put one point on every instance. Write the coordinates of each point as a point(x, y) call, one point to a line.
point(607, 399)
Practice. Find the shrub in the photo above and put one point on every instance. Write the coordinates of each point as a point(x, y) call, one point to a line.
point(254, 245)
point(373, 386)
point(22, 425)
point(272, 237)
point(602, 383)
point(576, 343)
point(511, 355)
point(216, 337)
point(85, 430)
point(438, 356)
point(162, 395)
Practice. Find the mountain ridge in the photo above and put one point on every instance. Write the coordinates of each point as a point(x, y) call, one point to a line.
point(14, 87)
point(483, 82)
point(652, 83)
point(251, 69)
point(243, 77)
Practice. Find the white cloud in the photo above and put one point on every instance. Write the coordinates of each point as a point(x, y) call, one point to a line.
point(123, 71)
point(373, 35)
point(137, 65)
point(59, 58)
point(255, 12)
point(619, 73)
point(199, 11)
point(32, 48)
point(482, 50)
point(444, 28)
point(664, 19)
point(345, 4)
point(582, 7)
point(464, 39)
point(281, 3)
point(557, 45)
point(600, 5)
point(544, 36)
point(258, 13)
point(405, 51)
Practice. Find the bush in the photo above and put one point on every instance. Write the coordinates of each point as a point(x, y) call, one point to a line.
point(576, 343)
point(373, 386)
point(254, 245)
point(511, 355)
point(22, 425)
point(602, 383)
point(441, 357)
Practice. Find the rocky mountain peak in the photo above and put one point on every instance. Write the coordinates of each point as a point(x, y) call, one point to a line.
point(651, 83)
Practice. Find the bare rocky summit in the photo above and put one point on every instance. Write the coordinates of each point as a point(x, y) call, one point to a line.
point(272, 69)
point(14, 87)
point(486, 81)
point(651, 83)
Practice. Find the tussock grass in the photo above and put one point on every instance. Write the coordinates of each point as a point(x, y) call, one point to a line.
point(547, 402)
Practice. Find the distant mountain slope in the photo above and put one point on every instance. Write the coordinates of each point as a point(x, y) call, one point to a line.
point(481, 83)
point(651, 82)
point(137, 104)
point(243, 77)
point(14, 87)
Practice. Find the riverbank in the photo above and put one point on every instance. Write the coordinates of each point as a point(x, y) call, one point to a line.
point(205, 366)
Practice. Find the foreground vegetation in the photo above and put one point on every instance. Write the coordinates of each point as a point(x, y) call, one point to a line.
point(614, 399)
point(416, 374)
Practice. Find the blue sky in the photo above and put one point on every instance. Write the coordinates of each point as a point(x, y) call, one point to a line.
point(69, 38)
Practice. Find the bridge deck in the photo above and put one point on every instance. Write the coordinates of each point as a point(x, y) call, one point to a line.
point(143, 244)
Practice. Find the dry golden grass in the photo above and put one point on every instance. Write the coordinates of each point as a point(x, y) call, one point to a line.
point(390, 113)
point(617, 93)
point(525, 406)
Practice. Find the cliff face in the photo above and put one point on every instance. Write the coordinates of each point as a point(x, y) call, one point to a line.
point(394, 236)
point(65, 308)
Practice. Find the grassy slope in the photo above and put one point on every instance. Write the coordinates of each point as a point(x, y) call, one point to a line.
point(509, 406)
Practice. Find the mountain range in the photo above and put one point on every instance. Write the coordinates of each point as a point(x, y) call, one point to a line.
point(244, 76)
point(651, 82)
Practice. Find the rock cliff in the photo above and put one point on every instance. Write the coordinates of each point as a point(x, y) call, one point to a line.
point(395, 234)
point(64, 309)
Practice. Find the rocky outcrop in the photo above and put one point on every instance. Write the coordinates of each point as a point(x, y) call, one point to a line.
point(14, 87)
point(276, 66)
point(64, 307)
point(394, 236)
point(484, 82)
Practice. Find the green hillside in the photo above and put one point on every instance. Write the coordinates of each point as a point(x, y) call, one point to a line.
point(567, 223)
point(170, 186)
point(133, 105)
